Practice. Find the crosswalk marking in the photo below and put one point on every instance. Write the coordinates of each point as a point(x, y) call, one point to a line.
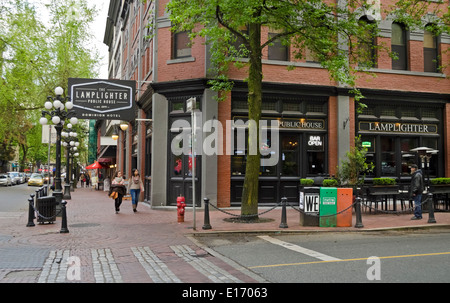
point(59, 268)
point(105, 268)
point(299, 249)
point(213, 272)
point(155, 268)
point(55, 267)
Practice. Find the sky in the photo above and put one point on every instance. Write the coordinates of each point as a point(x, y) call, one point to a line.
point(98, 28)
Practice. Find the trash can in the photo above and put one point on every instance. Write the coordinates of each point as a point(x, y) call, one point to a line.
point(46, 207)
point(328, 207)
point(309, 206)
point(344, 201)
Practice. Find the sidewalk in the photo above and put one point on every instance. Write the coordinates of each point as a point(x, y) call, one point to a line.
point(127, 247)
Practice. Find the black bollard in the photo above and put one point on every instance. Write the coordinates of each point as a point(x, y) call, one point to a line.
point(64, 229)
point(206, 224)
point(358, 213)
point(431, 218)
point(283, 223)
point(30, 212)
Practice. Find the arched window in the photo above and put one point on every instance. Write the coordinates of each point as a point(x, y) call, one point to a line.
point(399, 47)
point(430, 51)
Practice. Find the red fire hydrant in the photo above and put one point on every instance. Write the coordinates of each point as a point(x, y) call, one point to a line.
point(180, 208)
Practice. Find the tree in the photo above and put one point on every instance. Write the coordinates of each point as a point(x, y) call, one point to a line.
point(34, 59)
point(233, 29)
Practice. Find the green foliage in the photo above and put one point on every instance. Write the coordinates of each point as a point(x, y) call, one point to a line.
point(384, 181)
point(440, 181)
point(306, 182)
point(355, 164)
point(330, 183)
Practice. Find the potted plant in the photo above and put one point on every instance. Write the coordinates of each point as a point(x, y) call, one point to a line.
point(440, 185)
point(354, 167)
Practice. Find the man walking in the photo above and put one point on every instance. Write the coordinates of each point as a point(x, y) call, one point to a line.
point(416, 191)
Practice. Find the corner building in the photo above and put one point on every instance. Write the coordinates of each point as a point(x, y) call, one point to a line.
point(408, 105)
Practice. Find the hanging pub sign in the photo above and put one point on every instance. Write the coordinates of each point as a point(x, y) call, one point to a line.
point(98, 99)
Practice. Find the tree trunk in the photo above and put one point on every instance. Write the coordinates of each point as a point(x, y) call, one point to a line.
point(249, 204)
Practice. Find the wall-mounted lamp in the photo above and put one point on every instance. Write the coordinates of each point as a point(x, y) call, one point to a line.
point(115, 134)
point(123, 126)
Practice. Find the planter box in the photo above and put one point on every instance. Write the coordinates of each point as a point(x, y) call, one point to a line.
point(384, 189)
point(440, 189)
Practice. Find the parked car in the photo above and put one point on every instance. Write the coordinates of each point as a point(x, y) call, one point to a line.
point(36, 180)
point(5, 180)
point(22, 177)
point(14, 177)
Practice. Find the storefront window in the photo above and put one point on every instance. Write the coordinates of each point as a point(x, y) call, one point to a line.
point(388, 165)
point(290, 147)
point(266, 170)
point(239, 159)
point(369, 144)
point(316, 154)
point(432, 167)
point(408, 158)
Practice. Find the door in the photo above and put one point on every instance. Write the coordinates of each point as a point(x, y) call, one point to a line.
point(180, 172)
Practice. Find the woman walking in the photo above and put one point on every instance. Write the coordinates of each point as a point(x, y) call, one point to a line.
point(135, 187)
point(117, 190)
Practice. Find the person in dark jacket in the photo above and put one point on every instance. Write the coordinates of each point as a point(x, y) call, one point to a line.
point(117, 190)
point(416, 191)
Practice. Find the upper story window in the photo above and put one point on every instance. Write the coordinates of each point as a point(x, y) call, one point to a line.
point(181, 45)
point(367, 43)
point(399, 47)
point(430, 51)
point(240, 50)
point(278, 51)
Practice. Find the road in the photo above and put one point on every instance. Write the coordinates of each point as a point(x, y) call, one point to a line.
point(14, 198)
point(407, 257)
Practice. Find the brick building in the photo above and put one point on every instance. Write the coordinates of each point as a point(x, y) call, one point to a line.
point(408, 106)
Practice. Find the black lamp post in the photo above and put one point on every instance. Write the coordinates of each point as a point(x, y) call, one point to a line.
point(70, 141)
point(59, 109)
point(73, 153)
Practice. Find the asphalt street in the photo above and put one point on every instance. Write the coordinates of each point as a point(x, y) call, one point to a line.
point(406, 257)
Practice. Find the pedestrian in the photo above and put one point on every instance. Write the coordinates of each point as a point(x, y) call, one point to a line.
point(83, 179)
point(416, 191)
point(135, 187)
point(117, 190)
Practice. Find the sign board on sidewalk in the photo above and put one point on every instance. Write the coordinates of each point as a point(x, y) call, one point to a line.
point(98, 99)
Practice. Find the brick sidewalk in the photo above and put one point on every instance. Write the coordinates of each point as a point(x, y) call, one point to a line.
point(146, 246)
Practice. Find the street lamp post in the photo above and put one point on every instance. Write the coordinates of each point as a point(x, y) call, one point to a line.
point(73, 153)
point(69, 141)
point(59, 109)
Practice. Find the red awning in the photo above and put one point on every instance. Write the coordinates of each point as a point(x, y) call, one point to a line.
point(95, 165)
